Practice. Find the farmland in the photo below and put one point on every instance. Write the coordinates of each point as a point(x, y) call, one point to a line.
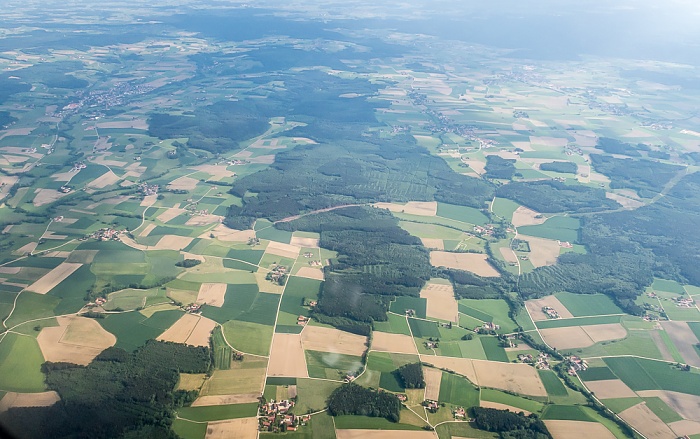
point(265, 203)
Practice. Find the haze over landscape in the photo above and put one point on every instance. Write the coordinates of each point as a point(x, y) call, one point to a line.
point(324, 219)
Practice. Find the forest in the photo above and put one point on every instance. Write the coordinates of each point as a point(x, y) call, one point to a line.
point(646, 177)
point(561, 167)
point(509, 424)
point(351, 399)
point(498, 167)
point(411, 376)
point(614, 146)
point(118, 393)
point(551, 196)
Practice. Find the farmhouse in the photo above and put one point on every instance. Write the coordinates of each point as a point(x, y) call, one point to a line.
point(550, 312)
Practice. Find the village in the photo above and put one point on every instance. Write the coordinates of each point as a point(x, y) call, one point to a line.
point(274, 416)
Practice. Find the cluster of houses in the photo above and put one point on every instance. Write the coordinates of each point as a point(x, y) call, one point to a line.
point(78, 166)
point(684, 302)
point(540, 362)
point(65, 189)
point(411, 312)
point(98, 302)
point(253, 241)
point(148, 189)
point(302, 320)
point(460, 414)
point(431, 405)
point(193, 308)
point(486, 230)
point(573, 149)
point(432, 344)
point(576, 364)
point(550, 312)
point(565, 244)
point(487, 328)
point(275, 417)
point(277, 274)
point(106, 234)
point(237, 162)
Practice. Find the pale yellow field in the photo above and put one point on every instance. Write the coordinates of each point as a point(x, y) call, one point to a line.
point(189, 329)
point(605, 332)
point(317, 338)
point(477, 165)
point(191, 381)
point(518, 378)
point(385, 342)
point(173, 242)
point(605, 389)
point(26, 248)
point(287, 357)
point(384, 434)
point(433, 244)
point(688, 406)
point(239, 398)
point(54, 277)
point(548, 141)
point(566, 338)
point(646, 421)
point(223, 233)
point(432, 377)
point(13, 399)
point(284, 250)
point(203, 220)
point(441, 302)
point(311, 273)
point(499, 406)
point(574, 429)
point(243, 428)
point(422, 208)
point(685, 427)
point(535, 308)
point(46, 196)
point(149, 200)
point(524, 216)
point(76, 340)
point(242, 379)
point(183, 183)
point(170, 214)
point(627, 203)
point(218, 171)
point(304, 242)
point(542, 251)
point(212, 294)
point(105, 180)
point(266, 286)
point(147, 230)
point(474, 262)
point(508, 255)
point(139, 124)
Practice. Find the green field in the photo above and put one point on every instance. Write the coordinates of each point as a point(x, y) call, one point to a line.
point(458, 390)
point(423, 328)
point(218, 412)
point(662, 410)
point(504, 208)
point(351, 422)
point(331, 365)
point(581, 305)
point(566, 413)
point(552, 383)
point(402, 303)
point(312, 394)
point(642, 374)
point(189, 430)
point(462, 213)
point(133, 329)
point(597, 374)
point(579, 321)
point(560, 228)
point(395, 324)
point(621, 404)
point(252, 338)
point(298, 289)
point(493, 351)
point(20, 364)
point(668, 285)
point(511, 400)
point(492, 310)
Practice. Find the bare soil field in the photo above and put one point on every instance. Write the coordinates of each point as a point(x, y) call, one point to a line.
point(655, 335)
point(267, 286)
point(149, 200)
point(304, 242)
point(433, 244)
point(189, 329)
point(385, 342)
point(183, 183)
point(147, 230)
point(646, 421)
point(263, 159)
point(432, 377)
point(13, 399)
point(535, 308)
point(54, 277)
point(243, 378)
point(627, 203)
point(499, 406)
point(573, 429)
point(542, 251)
point(605, 332)
point(688, 406)
point(524, 216)
point(518, 378)
point(212, 294)
point(27, 248)
point(241, 398)
point(243, 428)
point(684, 339)
point(317, 338)
point(170, 214)
point(191, 381)
point(218, 171)
point(46, 196)
point(76, 340)
point(173, 242)
point(474, 262)
point(424, 208)
point(508, 255)
point(384, 434)
point(477, 166)
point(311, 273)
point(201, 333)
point(566, 338)
point(549, 141)
point(223, 233)
point(284, 250)
point(441, 302)
point(605, 389)
point(105, 180)
point(287, 357)
point(685, 428)
point(139, 124)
